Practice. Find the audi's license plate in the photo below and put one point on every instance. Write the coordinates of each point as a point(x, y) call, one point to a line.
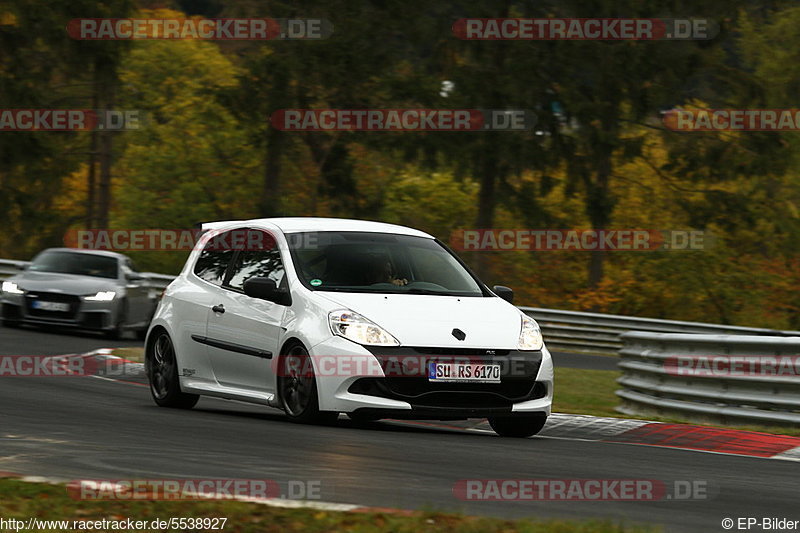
point(463, 373)
point(50, 306)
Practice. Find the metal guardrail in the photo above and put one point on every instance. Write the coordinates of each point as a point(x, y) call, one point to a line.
point(576, 331)
point(158, 281)
point(9, 267)
point(733, 390)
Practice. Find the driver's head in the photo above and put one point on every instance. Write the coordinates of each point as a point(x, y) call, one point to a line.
point(379, 269)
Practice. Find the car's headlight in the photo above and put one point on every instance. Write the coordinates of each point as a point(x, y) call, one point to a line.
point(102, 296)
point(11, 288)
point(530, 336)
point(357, 328)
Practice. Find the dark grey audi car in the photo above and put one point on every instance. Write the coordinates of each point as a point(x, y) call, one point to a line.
point(86, 289)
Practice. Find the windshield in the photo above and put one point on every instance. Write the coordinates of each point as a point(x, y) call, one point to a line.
point(98, 266)
point(380, 263)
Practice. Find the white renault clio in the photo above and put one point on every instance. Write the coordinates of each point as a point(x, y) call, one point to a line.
point(321, 316)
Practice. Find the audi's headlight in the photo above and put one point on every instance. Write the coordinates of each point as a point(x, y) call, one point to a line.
point(102, 296)
point(357, 328)
point(11, 288)
point(530, 336)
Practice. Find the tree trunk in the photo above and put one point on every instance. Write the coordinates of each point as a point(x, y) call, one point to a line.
point(598, 208)
point(270, 193)
point(486, 205)
point(106, 161)
point(270, 202)
point(91, 181)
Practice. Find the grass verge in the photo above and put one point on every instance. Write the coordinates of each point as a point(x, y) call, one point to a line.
point(131, 354)
point(22, 501)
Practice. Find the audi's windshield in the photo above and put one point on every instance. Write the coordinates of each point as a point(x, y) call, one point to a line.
point(75, 263)
point(380, 263)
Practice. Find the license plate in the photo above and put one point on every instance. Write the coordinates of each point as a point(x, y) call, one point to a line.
point(50, 306)
point(463, 373)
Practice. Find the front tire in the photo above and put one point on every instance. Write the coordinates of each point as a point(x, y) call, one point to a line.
point(518, 426)
point(297, 387)
point(162, 373)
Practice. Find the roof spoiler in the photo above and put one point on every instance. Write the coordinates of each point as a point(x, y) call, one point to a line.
point(208, 226)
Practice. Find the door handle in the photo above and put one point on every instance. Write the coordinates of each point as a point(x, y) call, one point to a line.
point(219, 308)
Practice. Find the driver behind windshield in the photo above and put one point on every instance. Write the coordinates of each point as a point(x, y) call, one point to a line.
point(381, 271)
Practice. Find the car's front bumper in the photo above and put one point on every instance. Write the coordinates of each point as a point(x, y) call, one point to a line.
point(82, 314)
point(526, 383)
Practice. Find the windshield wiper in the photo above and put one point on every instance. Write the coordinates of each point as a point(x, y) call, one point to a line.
point(429, 291)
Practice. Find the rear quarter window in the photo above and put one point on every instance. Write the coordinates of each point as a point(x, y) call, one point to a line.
point(212, 264)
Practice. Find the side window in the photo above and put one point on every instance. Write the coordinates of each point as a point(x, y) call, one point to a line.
point(258, 261)
point(214, 259)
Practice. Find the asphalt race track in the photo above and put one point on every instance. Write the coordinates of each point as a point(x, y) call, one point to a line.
point(83, 427)
point(32, 341)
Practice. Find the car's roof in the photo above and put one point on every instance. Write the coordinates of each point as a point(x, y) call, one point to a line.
point(303, 224)
point(87, 252)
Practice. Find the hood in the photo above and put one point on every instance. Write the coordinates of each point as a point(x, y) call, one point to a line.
point(63, 283)
point(428, 320)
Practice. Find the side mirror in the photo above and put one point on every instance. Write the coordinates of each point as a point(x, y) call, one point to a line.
point(266, 289)
point(504, 292)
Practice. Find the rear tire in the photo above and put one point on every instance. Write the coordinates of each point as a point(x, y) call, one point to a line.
point(518, 426)
point(297, 387)
point(162, 374)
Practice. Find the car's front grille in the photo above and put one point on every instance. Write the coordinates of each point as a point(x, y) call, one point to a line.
point(74, 303)
point(513, 363)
